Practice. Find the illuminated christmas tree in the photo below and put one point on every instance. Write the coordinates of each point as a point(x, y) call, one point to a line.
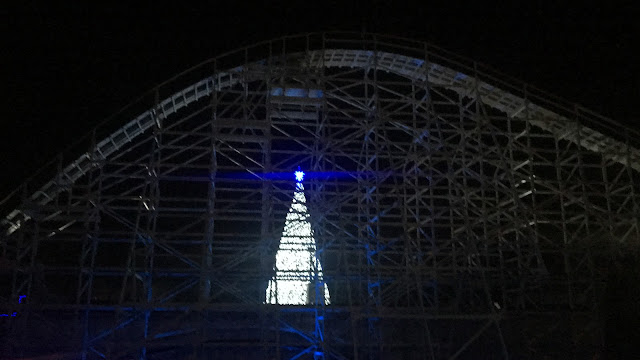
point(298, 269)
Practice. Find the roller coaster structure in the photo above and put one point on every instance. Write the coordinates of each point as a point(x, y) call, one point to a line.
point(456, 214)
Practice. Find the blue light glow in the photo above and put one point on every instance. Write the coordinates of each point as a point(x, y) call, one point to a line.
point(297, 92)
point(284, 175)
point(299, 175)
point(14, 314)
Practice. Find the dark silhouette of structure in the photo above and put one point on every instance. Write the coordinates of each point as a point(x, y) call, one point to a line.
point(457, 214)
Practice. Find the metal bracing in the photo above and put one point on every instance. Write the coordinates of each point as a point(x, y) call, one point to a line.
point(455, 215)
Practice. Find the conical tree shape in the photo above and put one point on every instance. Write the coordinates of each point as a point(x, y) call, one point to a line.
point(298, 270)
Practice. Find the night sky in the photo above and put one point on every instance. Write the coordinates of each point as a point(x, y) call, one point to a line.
point(67, 67)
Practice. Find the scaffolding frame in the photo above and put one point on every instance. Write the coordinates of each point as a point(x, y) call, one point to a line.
point(457, 212)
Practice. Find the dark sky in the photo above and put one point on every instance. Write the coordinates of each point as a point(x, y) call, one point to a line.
point(67, 67)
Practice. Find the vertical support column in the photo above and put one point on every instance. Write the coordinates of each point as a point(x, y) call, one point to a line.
point(418, 207)
point(149, 235)
point(207, 245)
point(24, 266)
point(370, 207)
point(431, 240)
point(520, 220)
point(317, 194)
point(90, 241)
point(22, 247)
point(588, 228)
point(266, 225)
point(634, 194)
point(585, 287)
point(484, 153)
point(208, 239)
point(562, 188)
point(608, 187)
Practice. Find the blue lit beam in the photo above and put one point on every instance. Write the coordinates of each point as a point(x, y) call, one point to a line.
point(244, 175)
point(305, 351)
point(15, 313)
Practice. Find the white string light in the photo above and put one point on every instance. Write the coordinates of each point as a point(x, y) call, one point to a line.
point(298, 270)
